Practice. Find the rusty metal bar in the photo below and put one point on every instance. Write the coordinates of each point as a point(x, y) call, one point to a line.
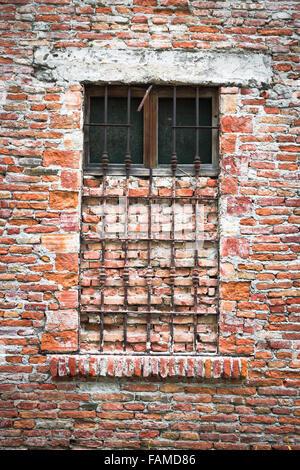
point(145, 239)
point(196, 271)
point(128, 155)
point(172, 267)
point(154, 353)
point(145, 97)
point(195, 127)
point(104, 153)
point(106, 125)
point(152, 312)
point(126, 269)
point(149, 273)
point(174, 156)
point(102, 273)
point(202, 198)
point(197, 123)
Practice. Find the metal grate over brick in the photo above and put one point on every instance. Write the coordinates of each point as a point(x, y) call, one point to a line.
point(195, 200)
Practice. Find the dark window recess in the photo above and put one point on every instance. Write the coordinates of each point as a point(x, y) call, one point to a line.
point(185, 137)
point(150, 127)
point(116, 136)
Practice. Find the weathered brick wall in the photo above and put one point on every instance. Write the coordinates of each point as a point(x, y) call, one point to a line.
point(215, 402)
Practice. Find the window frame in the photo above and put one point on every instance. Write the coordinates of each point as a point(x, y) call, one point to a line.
point(150, 134)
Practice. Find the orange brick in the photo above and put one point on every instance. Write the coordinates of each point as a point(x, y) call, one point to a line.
point(235, 290)
point(63, 200)
point(237, 124)
point(60, 242)
point(60, 341)
point(66, 280)
point(66, 262)
point(62, 158)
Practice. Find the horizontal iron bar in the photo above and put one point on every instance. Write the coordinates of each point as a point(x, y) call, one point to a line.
point(195, 127)
point(108, 125)
point(198, 198)
point(142, 239)
point(146, 312)
point(152, 353)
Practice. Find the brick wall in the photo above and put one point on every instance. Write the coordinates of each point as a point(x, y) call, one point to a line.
point(245, 396)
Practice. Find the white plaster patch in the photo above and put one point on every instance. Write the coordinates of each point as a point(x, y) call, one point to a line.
point(73, 140)
point(229, 226)
point(152, 66)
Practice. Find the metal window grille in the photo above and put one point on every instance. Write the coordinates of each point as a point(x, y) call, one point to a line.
point(196, 200)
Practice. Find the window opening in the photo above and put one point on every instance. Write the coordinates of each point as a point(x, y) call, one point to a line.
point(150, 113)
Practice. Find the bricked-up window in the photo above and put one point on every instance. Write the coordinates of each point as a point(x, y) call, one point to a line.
point(149, 252)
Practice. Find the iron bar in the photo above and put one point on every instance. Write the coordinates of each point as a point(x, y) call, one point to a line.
point(145, 97)
point(195, 127)
point(107, 125)
point(128, 155)
point(172, 267)
point(149, 273)
point(105, 154)
point(196, 271)
point(199, 197)
point(126, 269)
point(145, 312)
point(174, 156)
point(155, 353)
point(133, 240)
point(197, 124)
point(102, 273)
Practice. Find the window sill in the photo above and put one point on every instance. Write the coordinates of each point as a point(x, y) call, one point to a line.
point(162, 170)
point(144, 366)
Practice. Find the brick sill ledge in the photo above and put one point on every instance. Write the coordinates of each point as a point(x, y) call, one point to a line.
point(144, 366)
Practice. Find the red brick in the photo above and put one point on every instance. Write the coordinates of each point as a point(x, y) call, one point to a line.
point(228, 143)
point(235, 290)
point(235, 247)
point(60, 341)
point(61, 158)
point(70, 179)
point(239, 205)
point(229, 185)
point(66, 262)
point(63, 200)
point(231, 124)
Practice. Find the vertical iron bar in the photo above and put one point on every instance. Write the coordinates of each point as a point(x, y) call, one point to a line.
point(196, 270)
point(126, 269)
point(104, 153)
point(197, 157)
point(172, 268)
point(128, 155)
point(197, 122)
point(149, 273)
point(102, 269)
point(174, 156)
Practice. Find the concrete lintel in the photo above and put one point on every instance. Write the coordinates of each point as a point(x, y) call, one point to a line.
point(210, 68)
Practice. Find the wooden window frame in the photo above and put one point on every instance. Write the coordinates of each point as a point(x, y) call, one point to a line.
point(150, 135)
